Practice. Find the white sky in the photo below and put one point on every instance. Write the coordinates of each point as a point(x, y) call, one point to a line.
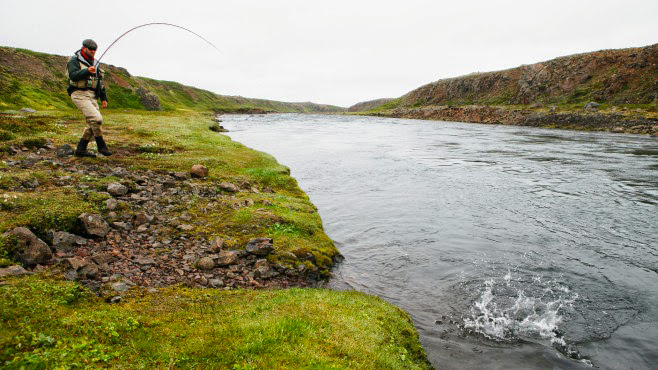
point(332, 52)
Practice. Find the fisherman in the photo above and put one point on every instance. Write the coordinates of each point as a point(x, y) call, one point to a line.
point(85, 87)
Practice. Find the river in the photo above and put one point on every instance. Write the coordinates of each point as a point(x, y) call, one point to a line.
point(510, 247)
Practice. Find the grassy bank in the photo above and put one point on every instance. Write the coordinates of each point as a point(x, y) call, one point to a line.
point(49, 322)
point(53, 324)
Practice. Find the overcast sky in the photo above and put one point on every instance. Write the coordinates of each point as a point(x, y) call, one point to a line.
point(332, 52)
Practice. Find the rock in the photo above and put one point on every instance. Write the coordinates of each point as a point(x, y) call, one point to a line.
point(263, 272)
point(205, 263)
point(121, 226)
point(64, 242)
point(142, 228)
point(145, 261)
point(185, 227)
point(199, 171)
point(30, 249)
point(216, 127)
point(181, 175)
point(102, 258)
point(226, 258)
point(142, 218)
point(227, 186)
point(90, 270)
point(15, 270)
point(115, 299)
point(217, 245)
point(215, 283)
point(64, 151)
point(76, 263)
point(149, 100)
point(116, 190)
point(94, 225)
point(111, 204)
point(618, 130)
point(120, 287)
point(260, 246)
point(72, 275)
point(592, 105)
point(27, 110)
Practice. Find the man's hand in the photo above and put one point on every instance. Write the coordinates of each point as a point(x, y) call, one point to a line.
point(92, 70)
point(104, 103)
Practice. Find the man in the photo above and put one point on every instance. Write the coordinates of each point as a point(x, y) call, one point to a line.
point(85, 87)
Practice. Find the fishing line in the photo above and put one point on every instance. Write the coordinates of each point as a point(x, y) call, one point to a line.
point(98, 61)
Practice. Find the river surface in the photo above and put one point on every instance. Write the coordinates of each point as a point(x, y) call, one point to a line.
point(510, 247)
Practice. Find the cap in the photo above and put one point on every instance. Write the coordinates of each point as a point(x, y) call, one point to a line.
point(90, 44)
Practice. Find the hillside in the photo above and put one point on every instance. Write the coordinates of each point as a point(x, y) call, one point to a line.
point(368, 105)
point(38, 80)
point(623, 84)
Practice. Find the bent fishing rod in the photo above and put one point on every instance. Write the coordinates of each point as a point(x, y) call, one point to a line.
point(98, 61)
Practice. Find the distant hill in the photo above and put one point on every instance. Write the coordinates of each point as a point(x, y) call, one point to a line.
point(38, 80)
point(368, 105)
point(615, 77)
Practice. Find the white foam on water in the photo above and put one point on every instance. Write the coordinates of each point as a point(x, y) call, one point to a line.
point(507, 309)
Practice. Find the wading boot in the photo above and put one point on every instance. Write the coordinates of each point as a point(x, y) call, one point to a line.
point(102, 147)
point(81, 150)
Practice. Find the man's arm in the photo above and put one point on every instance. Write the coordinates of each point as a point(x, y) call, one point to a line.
point(75, 72)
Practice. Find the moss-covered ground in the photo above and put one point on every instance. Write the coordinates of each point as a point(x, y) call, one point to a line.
point(48, 323)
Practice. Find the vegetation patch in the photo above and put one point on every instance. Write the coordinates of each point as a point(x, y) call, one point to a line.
point(52, 323)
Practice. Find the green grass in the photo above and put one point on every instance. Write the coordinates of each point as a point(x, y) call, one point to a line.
point(50, 323)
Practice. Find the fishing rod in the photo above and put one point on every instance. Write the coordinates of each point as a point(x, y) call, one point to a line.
point(98, 61)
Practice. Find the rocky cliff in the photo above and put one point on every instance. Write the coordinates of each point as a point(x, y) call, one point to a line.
point(608, 90)
point(627, 76)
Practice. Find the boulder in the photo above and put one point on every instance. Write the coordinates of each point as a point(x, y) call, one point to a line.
point(75, 263)
point(260, 246)
point(120, 287)
point(181, 175)
point(215, 283)
point(30, 250)
point(226, 258)
point(27, 110)
point(199, 171)
point(145, 261)
point(15, 270)
point(142, 218)
point(592, 105)
point(111, 204)
point(217, 245)
point(149, 100)
point(227, 186)
point(65, 242)
point(89, 271)
point(116, 190)
point(102, 259)
point(205, 263)
point(94, 225)
point(64, 151)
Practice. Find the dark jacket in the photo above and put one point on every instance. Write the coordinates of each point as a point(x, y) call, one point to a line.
point(76, 73)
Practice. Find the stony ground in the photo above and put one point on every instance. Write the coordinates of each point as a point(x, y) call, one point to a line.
point(143, 236)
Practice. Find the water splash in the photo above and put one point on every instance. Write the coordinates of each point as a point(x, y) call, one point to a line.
point(509, 309)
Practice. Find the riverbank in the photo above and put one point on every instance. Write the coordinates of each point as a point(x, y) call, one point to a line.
point(173, 249)
point(612, 120)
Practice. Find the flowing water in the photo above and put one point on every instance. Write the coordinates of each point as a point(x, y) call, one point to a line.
point(510, 247)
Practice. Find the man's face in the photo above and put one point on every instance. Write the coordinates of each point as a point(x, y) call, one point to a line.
point(88, 51)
